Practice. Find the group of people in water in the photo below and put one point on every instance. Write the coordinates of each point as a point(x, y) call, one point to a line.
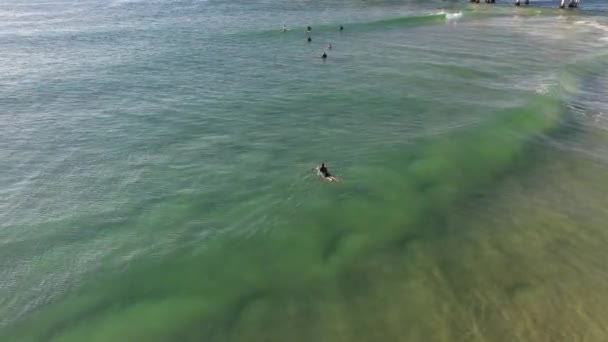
point(572, 4)
point(322, 170)
point(309, 38)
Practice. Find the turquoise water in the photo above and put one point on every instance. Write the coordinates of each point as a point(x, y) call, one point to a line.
point(156, 180)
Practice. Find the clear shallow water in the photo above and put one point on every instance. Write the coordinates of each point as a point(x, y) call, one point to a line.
point(156, 179)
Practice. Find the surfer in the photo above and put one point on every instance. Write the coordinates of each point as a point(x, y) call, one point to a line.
point(284, 28)
point(324, 172)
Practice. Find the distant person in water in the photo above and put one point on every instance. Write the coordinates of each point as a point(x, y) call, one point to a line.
point(284, 28)
point(309, 39)
point(324, 172)
point(341, 28)
point(329, 46)
point(308, 29)
point(324, 55)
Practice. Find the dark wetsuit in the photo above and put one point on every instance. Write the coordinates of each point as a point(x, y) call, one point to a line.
point(324, 171)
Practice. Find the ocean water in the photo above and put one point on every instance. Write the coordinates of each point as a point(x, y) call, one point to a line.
point(156, 177)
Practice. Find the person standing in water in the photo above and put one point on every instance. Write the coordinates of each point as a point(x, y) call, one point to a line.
point(308, 29)
point(284, 28)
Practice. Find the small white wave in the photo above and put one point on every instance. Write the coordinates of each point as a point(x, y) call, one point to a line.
point(119, 3)
point(601, 116)
point(453, 16)
point(593, 24)
point(542, 89)
point(598, 26)
point(21, 14)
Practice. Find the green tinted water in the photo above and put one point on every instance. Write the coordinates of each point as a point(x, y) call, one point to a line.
point(158, 180)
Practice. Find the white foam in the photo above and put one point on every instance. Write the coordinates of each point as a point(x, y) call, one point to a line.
point(600, 117)
point(453, 16)
point(596, 26)
point(599, 26)
point(593, 24)
point(542, 89)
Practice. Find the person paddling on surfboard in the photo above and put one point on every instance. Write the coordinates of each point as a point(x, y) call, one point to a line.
point(324, 172)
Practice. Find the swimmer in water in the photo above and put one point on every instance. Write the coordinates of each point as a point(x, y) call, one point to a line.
point(308, 29)
point(329, 46)
point(309, 39)
point(341, 28)
point(324, 55)
point(324, 172)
